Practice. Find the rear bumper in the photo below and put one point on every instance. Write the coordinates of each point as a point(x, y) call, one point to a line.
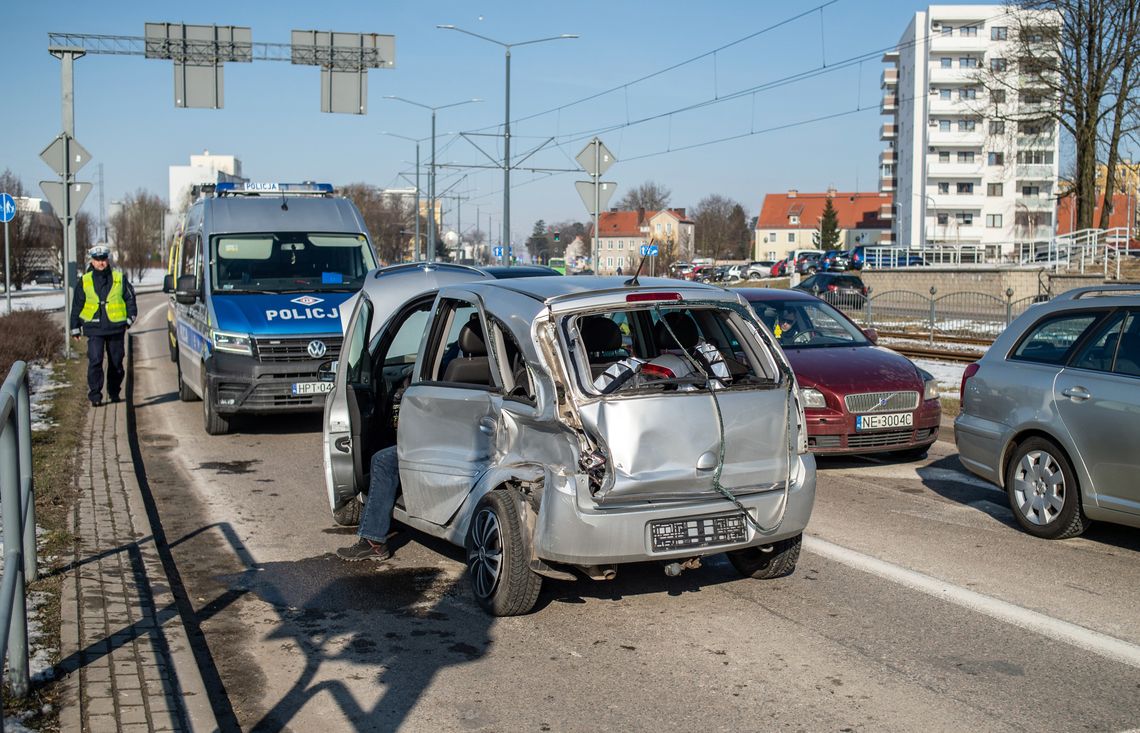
point(241, 384)
point(573, 530)
point(833, 433)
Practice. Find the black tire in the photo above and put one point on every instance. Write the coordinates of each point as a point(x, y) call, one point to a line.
point(348, 515)
point(185, 394)
point(1043, 491)
point(215, 423)
point(778, 561)
point(172, 344)
point(497, 557)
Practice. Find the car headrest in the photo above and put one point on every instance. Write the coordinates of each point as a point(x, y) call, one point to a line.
point(471, 338)
point(682, 326)
point(600, 334)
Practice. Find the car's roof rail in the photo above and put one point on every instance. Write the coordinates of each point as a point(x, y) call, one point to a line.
point(426, 266)
point(1099, 290)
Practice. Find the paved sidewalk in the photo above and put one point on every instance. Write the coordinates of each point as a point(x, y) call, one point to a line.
point(127, 664)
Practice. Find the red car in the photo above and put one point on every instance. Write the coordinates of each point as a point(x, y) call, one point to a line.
point(859, 397)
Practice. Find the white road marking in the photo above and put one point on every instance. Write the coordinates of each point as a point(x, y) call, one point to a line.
point(1078, 636)
point(152, 311)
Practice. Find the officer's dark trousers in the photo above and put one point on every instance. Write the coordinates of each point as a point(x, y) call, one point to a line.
point(113, 345)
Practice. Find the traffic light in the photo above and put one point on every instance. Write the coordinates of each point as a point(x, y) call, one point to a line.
point(557, 236)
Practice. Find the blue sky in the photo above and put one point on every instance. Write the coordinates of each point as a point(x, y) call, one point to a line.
point(125, 114)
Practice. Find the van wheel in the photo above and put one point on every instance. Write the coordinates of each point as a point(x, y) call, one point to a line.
point(185, 394)
point(769, 561)
point(1043, 491)
point(348, 515)
point(503, 583)
point(215, 423)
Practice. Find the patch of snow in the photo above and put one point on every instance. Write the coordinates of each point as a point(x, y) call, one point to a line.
point(948, 374)
point(41, 386)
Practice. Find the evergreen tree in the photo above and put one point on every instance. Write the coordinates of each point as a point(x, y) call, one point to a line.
point(829, 228)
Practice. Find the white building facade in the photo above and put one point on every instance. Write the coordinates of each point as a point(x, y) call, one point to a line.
point(965, 174)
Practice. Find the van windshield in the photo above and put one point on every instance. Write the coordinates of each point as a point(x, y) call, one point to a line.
point(289, 261)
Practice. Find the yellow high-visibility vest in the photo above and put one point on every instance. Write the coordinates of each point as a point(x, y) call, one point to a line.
point(116, 306)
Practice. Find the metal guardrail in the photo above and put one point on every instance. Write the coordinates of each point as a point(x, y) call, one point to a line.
point(17, 502)
point(954, 315)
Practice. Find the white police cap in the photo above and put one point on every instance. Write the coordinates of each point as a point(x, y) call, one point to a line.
point(99, 251)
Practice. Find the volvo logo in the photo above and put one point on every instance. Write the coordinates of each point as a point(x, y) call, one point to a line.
point(317, 349)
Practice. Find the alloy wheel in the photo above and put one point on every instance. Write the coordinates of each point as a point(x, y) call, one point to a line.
point(485, 553)
point(1039, 487)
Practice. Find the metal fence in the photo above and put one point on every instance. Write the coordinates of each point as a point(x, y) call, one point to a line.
point(958, 315)
point(17, 502)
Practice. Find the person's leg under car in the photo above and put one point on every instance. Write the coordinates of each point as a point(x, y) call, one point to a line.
point(95, 347)
point(376, 519)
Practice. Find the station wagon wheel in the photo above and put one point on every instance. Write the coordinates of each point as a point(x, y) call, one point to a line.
point(502, 581)
point(1043, 491)
point(768, 561)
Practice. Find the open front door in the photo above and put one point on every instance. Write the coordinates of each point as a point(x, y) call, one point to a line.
point(359, 392)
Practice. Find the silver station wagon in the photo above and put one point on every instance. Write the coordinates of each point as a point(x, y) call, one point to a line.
point(558, 427)
point(1051, 413)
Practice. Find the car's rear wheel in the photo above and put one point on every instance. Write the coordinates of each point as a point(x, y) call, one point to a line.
point(768, 561)
point(503, 583)
point(1043, 491)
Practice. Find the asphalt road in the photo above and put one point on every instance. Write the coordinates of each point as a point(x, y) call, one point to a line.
point(916, 606)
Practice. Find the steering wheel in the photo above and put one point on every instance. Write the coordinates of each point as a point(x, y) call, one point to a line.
point(804, 337)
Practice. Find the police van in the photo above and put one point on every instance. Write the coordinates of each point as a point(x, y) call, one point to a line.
point(257, 281)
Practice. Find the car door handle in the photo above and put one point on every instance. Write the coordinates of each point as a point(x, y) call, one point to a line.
point(487, 426)
point(1077, 394)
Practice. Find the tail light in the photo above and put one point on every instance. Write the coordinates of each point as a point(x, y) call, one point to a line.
point(655, 370)
point(832, 288)
point(970, 371)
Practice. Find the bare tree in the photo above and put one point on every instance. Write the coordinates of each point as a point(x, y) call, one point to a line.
point(138, 232)
point(717, 232)
point(651, 196)
point(1073, 63)
point(387, 218)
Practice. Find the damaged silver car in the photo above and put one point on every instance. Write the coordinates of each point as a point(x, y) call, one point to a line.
point(562, 426)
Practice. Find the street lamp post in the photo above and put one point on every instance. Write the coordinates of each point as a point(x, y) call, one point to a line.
point(507, 121)
point(416, 204)
point(431, 177)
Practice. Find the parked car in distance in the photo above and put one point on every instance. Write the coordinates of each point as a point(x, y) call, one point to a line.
point(835, 260)
point(809, 263)
point(839, 289)
point(547, 424)
point(858, 397)
point(1051, 412)
point(43, 277)
point(758, 269)
point(864, 256)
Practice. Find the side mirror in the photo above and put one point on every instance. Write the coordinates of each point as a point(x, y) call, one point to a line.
point(168, 284)
point(327, 371)
point(872, 335)
point(186, 292)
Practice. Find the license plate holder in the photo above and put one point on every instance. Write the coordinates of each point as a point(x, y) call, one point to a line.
point(885, 421)
point(686, 533)
point(311, 388)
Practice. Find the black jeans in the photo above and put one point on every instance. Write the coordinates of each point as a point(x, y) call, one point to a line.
point(113, 344)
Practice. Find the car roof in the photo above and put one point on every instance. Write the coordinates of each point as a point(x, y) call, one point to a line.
point(513, 271)
point(548, 288)
point(757, 295)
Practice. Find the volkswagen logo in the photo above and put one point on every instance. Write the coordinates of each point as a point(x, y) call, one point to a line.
point(317, 349)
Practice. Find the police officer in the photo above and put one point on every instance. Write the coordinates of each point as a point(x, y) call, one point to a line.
point(103, 305)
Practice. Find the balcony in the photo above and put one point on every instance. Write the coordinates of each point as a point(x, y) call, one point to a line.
point(955, 76)
point(887, 157)
point(959, 44)
point(957, 202)
point(889, 132)
point(889, 78)
point(889, 104)
point(886, 185)
point(954, 233)
point(935, 169)
point(1034, 172)
point(886, 211)
point(952, 106)
point(954, 138)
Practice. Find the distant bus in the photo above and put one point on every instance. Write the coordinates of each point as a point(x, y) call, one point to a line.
point(557, 263)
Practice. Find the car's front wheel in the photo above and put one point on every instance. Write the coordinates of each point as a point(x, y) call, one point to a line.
point(503, 583)
point(215, 424)
point(768, 561)
point(1043, 491)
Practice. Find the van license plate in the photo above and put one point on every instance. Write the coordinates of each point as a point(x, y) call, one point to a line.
point(679, 534)
point(301, 388)
point(889, 420)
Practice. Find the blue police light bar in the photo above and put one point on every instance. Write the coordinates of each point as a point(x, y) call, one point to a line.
point(259, 187)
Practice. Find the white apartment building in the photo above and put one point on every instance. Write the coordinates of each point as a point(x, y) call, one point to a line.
point(964, 175)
